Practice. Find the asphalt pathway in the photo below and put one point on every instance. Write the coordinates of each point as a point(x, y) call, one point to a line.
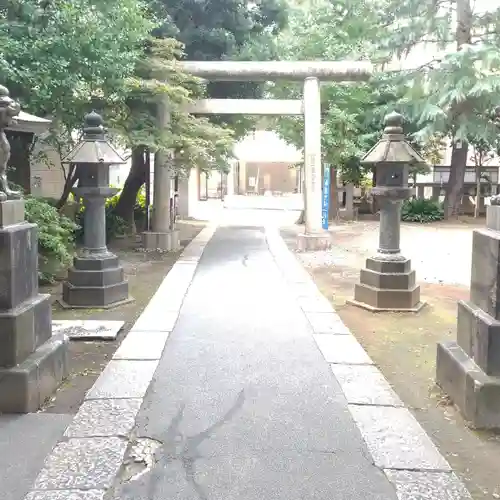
point(243, 405)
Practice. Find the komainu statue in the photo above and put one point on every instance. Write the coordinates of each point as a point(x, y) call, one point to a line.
point(9, 109)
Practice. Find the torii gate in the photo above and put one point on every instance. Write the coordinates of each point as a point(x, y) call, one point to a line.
point(309, 106)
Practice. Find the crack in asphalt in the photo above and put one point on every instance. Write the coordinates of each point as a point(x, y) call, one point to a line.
point(174, 445)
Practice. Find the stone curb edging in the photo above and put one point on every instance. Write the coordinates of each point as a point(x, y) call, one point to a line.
point(84, 464)
point(399, 446)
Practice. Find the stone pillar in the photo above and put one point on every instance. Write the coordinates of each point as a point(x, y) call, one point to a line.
point(183, 205)
point(390, 227)
point(314, 238)
point(33, 362)
point(162, 189)
point(96, 279)
point(188, 195)
point(421, 192)
point(468, 369)
point(94, 237)
point(161, 237)
point(349, 201)
point(388, 283)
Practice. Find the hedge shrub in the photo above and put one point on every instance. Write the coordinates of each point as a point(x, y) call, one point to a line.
point(56, 238)
point(421, 210)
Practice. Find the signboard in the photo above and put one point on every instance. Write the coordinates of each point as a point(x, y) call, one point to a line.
point(326, 197)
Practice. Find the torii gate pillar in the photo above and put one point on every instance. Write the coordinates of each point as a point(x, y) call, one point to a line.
point(314, 237)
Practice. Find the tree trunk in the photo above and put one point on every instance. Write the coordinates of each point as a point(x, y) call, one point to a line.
point(460, 149)
point(136, 178)
point(454, 187)
point(478, 192)
point(69, 183)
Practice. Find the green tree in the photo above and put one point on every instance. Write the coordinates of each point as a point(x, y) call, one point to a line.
point(193, 140)
point(455, 92)
point(61, 58)
point(208, 30)
point(215, 30)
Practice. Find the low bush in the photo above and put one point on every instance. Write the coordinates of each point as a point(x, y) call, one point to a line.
point(115, 225)
point(56, 238)
point(421, 210)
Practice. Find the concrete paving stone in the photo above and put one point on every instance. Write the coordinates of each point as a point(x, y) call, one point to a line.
point(90, 463)
point(193, 252)
point(88, 329)
point(365, 385)
point(316, 303)
point(328, 322)
point(104, 418)
point(170, 297)
point(66, 495)
point(155, 320)
point(396, 440)
point(188, 259)
point(174, 302)
point(142, 345)
point(303, 289)
point(289, 263)
point(177, 284)
point(292, 277)
point(184, 270)
point(412, 485)
point(123, 379)
point(343, 349)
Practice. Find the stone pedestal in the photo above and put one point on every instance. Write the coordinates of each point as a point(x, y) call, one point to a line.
point(313, 242)
point(387, 285)
point(32, 361)
point(95, 281)
point(166, 241)
point(468, 369)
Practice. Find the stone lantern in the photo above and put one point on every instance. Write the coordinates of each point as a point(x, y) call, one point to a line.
point(388, 283)
point(97, 278)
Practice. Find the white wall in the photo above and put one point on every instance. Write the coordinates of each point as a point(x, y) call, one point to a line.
point(266, 146)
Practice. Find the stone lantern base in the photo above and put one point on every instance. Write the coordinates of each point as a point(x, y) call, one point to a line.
point(387, 285)
point(33, 362)
point(95, 282)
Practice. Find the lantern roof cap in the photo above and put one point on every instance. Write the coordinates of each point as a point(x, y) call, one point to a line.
point(94, 147)
point(393, 147)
